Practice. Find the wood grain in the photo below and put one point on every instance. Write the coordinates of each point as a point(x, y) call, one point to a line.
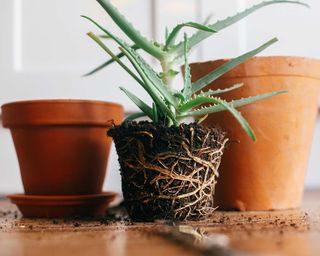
point(292, 232)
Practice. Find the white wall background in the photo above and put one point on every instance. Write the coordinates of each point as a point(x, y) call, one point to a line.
point(44, 51)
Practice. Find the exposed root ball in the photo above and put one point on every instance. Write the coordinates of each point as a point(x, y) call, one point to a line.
point(168, 172)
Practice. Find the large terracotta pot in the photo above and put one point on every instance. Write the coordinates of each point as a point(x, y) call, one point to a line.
point(61, 145)
point(269, 173)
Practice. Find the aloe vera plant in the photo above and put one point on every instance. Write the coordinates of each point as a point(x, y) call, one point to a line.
point(170, 106)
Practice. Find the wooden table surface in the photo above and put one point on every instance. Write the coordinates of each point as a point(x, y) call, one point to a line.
point(292, 232)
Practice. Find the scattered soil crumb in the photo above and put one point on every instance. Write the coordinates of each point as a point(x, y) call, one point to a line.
point(76, 225)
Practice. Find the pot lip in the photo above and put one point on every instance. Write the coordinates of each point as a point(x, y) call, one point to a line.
point(62, 112)
point(260, 66)
point(293, 57)
point(62, 101)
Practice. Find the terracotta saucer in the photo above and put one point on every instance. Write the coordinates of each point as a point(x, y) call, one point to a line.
point(62, 206)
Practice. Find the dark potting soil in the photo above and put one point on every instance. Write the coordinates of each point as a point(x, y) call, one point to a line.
point(168, 172)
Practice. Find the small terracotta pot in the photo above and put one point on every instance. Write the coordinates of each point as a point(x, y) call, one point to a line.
point(269, 173)
point(61, 145)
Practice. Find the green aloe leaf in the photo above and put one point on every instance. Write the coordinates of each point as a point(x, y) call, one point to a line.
point(143, 72)
point(171, 38)
point(114, 57)
point(217, 108)
point(166, 34)
point(145, 83)
point(187, 89)
point(140, 104)
point(107, 63)
point(219, 25)
point(149, 72)
point(108, 33)
point(149, 87)
point(215, 74)
point(226, 106)
point(170, 73)
point(130, 30)
point(104, 37)
point(220, 91)
point(153, 77)
point(237, 115)
point(155, 113)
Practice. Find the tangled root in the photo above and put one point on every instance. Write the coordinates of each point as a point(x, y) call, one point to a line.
point(168, 172)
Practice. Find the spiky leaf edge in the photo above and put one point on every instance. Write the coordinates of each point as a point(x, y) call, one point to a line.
point(144, 71)
point(171, 38)
point(131, 31)
point(199, 36)
point(226, 67)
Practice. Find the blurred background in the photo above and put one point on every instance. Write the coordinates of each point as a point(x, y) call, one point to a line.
point(44, 51)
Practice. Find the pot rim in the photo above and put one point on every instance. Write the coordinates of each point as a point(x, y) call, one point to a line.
point(60, 113)
point(64, 101)
point(260, 66)
point(296, 57)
